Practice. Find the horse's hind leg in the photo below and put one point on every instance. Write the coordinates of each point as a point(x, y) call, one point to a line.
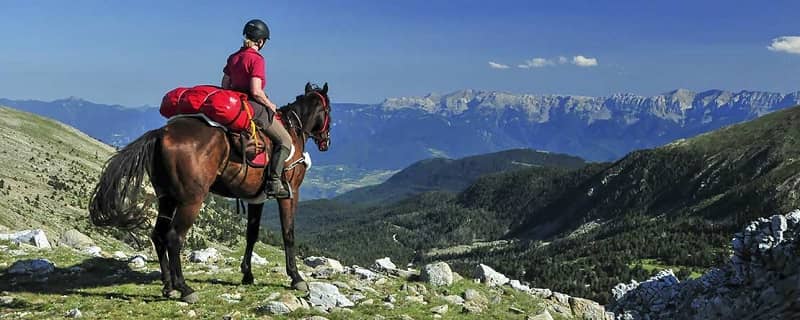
point(253, 224)
point(287, 209)
point(166, 207)
point(185, 216)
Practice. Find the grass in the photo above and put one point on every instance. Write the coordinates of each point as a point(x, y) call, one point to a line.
point(108, 288)
point(654, 265)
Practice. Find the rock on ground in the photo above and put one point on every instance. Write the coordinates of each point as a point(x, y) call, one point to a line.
point(33, 266)
point(93, 251)
point(204, 256)
point(75, 239)
point(327, 296)
point(437, 274)
point(490, 277)
point(384, 264)
point(323, 261)
point(36, 238)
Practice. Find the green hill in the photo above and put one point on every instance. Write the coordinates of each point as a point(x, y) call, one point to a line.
point(454, 175)
point(582, 231)
point(48, 171)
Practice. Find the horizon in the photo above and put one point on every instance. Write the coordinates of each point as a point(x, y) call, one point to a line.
point(131, 54)
point(435, 94)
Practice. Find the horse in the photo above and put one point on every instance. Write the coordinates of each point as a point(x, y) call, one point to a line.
point(186, 159)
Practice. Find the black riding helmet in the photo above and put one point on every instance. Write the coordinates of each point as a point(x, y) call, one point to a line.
point(256, 30)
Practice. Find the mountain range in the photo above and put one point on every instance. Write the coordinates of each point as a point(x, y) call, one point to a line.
point(373, 139)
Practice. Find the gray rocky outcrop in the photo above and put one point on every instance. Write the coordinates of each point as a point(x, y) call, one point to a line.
point(490, 277)
point(75, 239)
point(32, 266)
point(761, 280)
point(327, 296)
point(204, 256)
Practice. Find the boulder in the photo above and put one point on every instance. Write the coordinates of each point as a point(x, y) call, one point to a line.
point(327, 296)
point(33, 266)
point(440, 309)
point(384, 264)
point(274, 307)
point(256, 260)
point(138, 261)
point(75, 239)
point(490, 277)
point(36, 238)
point(544, 315)
point(586, 309)
point(365, 274)
point(323, 261)
point(437, 274)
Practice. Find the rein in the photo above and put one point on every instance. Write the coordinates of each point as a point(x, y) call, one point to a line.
point(316, 135)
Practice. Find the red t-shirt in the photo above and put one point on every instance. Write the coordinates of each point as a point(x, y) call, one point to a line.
point(244, 65)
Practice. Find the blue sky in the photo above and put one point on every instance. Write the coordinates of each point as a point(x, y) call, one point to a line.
point(132, 52)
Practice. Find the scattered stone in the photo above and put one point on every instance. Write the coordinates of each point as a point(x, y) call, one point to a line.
point(323, 261)
point(416, 299)
point(367, 302)
point(138, 261)
point(327, 296)
point(437, 274)
point(365, 274)
point(341, 285)
point(390, 298)
point(341, 310)
point(323, 272)
point(119, 255)
point(490, 277)
point(471, 307)
point(545, 315)
point(32, 266)
point(356, 297)
point(472, 295)
point(204, 256)
point(384, 264)
point(381, 281)
point(257, 260)
point(437, 316)
point(440, 309)
point(75, 239)
point(6, 300)
point(36, 238)
point(542, 293)
point(231, 316)
point(182, 304)
point(515, 284)
point(388, 305)
point(273, 296)
point(405, 317)
point(74, 313)
point(93, 251)
point(454, 299)
point(231, 298)
point(560, 298)
point(293, 302)
point(191, 314)
point(275, 307)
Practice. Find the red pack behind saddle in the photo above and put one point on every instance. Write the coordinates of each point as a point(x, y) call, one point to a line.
point(228, 107)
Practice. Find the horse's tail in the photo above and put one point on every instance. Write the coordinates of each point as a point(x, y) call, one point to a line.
point(115, 198)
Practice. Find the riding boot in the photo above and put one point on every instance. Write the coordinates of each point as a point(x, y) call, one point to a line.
point(276, 164)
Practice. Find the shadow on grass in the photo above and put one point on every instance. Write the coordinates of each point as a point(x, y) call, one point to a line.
point(90, 273)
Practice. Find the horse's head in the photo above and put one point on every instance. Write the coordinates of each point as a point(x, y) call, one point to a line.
point(317, 115)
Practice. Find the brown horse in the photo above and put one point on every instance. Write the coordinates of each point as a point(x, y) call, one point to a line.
point(186, 159)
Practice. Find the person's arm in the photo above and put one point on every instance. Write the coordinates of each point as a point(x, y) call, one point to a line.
point(259, 95)
point(226, 82)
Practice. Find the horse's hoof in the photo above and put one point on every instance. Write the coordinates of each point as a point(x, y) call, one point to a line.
point(247, 279)
point(168, 293)
point(302, 286)
point(191, 298)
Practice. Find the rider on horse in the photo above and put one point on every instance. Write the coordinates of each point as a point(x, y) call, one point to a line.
point(245, 72)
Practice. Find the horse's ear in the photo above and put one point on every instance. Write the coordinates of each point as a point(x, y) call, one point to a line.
point(325, 89)
point(308, 87)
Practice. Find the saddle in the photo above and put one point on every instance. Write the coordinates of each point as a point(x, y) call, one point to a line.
point(253, 151)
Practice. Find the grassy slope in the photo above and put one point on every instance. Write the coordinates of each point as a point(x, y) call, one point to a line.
point(48, 171)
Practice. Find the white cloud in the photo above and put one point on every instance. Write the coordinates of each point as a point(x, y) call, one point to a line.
point(582, 61)
point(495, 65)
point(562, 60)
point(536, 63)
point(788, 44)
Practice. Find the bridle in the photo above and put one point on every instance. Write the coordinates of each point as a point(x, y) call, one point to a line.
point(323, 134)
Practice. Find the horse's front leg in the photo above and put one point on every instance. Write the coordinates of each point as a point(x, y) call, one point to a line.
point(253, 225)
point(287, 209)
